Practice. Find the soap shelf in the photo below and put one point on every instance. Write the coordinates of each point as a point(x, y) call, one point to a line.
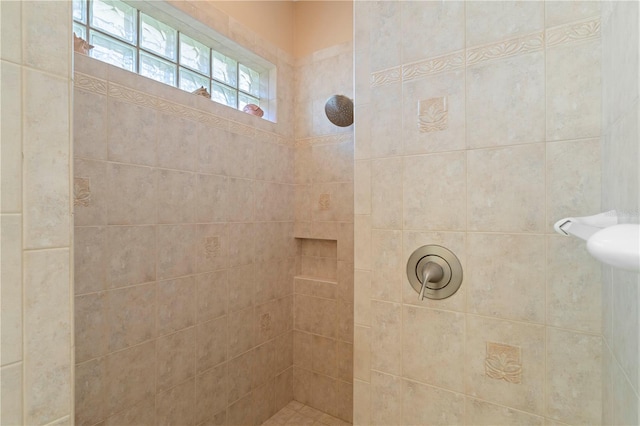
point(607, 240)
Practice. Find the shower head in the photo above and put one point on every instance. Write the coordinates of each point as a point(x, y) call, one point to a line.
point(339, 110)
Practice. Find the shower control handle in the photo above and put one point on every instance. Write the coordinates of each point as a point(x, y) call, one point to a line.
point(434, 272)
point(431, 273)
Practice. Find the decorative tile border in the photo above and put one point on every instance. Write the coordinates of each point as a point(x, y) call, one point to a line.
point(505, 49)
point(325, 140)
point(432, 66)
point(91, 84)
point(573, 32)
point(126, 94)
point(388, 76)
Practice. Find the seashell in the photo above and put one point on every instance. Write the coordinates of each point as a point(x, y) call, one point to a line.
point(202, 91)
point(253, 109)
point(80, 45)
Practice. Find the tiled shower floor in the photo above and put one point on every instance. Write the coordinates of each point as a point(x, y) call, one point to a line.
point(297, 414)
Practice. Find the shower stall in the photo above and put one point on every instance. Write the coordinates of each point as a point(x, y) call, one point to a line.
point(168, 260)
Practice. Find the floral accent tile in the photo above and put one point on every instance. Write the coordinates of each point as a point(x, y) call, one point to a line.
point(324, 202)
point(82, 192)
point(503, 362)
point(265, 322)
point(433, 115)
point(212, 247)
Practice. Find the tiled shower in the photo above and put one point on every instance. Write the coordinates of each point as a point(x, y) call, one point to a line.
point(224, 265)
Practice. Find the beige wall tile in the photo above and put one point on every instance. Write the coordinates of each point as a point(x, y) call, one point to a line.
point(284, 388)
point(435, 344)
point(386, 337)
point(53, 31)
point(446, 407)
point(573, 90)
point(315, 315)
point(386, 407)
point(345, 286)
point(131, 316)
point(11, 388)
point(241, 331)
point(264, 402)
point(176, 197)
point(90, 259)
point(344, 321)
point(128, 123)
point(213, 150)
point(431, 29)
point(449, 133)
point(362, 299)
point(315, 287)
point(211, 393)
point(506, 276)
point(574, 376)
point(386, 122)
point(11, 290)
point(47, 374)
point(441, 203)
point(89, 124)
point(323, 355)
point(362, 187)
point(489, 22)
point(45, 153)
point(479, 412)
point(177, 142)
point(508, 200)
point(241, 289)
point(302, 349)
point(11, 45)
point(11, 132)
point(176, 358)
point(211, 296)
point(362, 353)
point(573, 179)
point(625, 323)
point(211, 343)
point(240, 375)
point(91, 326)
point(625, 403)
point(385, 20)
point(177, 405)
point(386, 198)
point(361, 403)
point(574, 286)
point(241, 244)
point(264, 365)
point(241, 159)
point(558, 13)
point(241, 200)
point(505, 101)
point(141, 413)
point(241, 412)
point(90, 391)
point(212, 198)
point(176, 304)
point(344, 360)
point(90, 192)
point(130, 376)
point(332, 162)
point(136, 263)
point(284, 351)
point(528, 395)
point(132, 195)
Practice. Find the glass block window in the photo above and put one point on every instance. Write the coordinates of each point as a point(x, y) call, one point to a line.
point(128, 38)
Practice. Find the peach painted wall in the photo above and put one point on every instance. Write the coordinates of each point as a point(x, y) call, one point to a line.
point(271, 20)
point(299, 28)
point(321, 24)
